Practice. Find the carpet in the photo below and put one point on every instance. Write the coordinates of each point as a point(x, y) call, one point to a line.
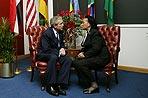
point(131, 85)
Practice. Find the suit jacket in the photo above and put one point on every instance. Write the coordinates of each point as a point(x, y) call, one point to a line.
point(49, 44)
point(95, 48)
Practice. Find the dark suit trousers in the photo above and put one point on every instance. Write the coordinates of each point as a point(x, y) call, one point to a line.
point(51, 75)
point(83, 68)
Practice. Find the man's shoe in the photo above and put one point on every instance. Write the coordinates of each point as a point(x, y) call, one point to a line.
point(64, 86)
point(52, 91)
point(61, 91)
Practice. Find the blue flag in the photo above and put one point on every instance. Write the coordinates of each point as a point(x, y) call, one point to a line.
point(74, 6)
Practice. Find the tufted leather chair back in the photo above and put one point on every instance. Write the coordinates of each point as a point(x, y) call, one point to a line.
point(34, 35)
point(111, 35)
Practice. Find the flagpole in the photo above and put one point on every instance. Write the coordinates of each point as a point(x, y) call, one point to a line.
point(29, 69)
point(17, 71)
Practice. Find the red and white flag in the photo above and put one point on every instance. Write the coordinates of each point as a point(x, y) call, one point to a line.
point(31, 15)
point(13, 13)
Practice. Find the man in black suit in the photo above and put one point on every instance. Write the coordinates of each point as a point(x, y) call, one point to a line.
point(51, 49)
point(93, 55)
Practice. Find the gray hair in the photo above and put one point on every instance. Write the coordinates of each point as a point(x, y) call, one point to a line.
point(55, 20)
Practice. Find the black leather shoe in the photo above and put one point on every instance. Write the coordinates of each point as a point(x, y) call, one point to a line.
point(61, 91)
point(64, 86)
point(90, 91)
point(52, 91)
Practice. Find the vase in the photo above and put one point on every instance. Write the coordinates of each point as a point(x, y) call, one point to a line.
point(79, 41)
point(6, 70)
point(71, 44)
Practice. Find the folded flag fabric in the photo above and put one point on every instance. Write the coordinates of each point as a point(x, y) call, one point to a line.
point(91, 10)
point(108, 7)
point(74, 6)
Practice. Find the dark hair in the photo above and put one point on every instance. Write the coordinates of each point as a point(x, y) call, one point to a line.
point(92, 21)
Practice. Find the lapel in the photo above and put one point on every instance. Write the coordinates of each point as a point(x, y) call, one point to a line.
point(87, 40)
point(54, 37)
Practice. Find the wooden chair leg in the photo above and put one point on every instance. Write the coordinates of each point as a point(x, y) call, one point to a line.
point(116, 77)
point(108, 82)
point(32, 74)
point(42, 81)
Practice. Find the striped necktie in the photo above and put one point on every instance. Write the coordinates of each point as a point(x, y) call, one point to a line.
point(58, 39)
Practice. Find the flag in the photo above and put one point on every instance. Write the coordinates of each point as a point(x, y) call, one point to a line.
point(15, 15)
point(108, 7)
point(90, 9)
point(50, 9)
point(31, 14)
point(74, 6)
point(43, 8)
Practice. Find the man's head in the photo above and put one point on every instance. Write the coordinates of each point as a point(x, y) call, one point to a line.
point(57, 23)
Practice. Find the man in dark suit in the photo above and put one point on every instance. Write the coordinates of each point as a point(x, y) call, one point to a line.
point(93, 55)
point(51, 49)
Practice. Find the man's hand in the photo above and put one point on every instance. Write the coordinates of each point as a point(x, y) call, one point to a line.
point(62, 52)
point(81, 55)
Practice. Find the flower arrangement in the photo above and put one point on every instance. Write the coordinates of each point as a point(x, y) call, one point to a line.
point(72, 24)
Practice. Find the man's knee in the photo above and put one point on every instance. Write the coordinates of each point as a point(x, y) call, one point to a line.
point(53, 58)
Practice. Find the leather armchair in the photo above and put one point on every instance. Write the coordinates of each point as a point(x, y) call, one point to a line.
point(111, 35)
